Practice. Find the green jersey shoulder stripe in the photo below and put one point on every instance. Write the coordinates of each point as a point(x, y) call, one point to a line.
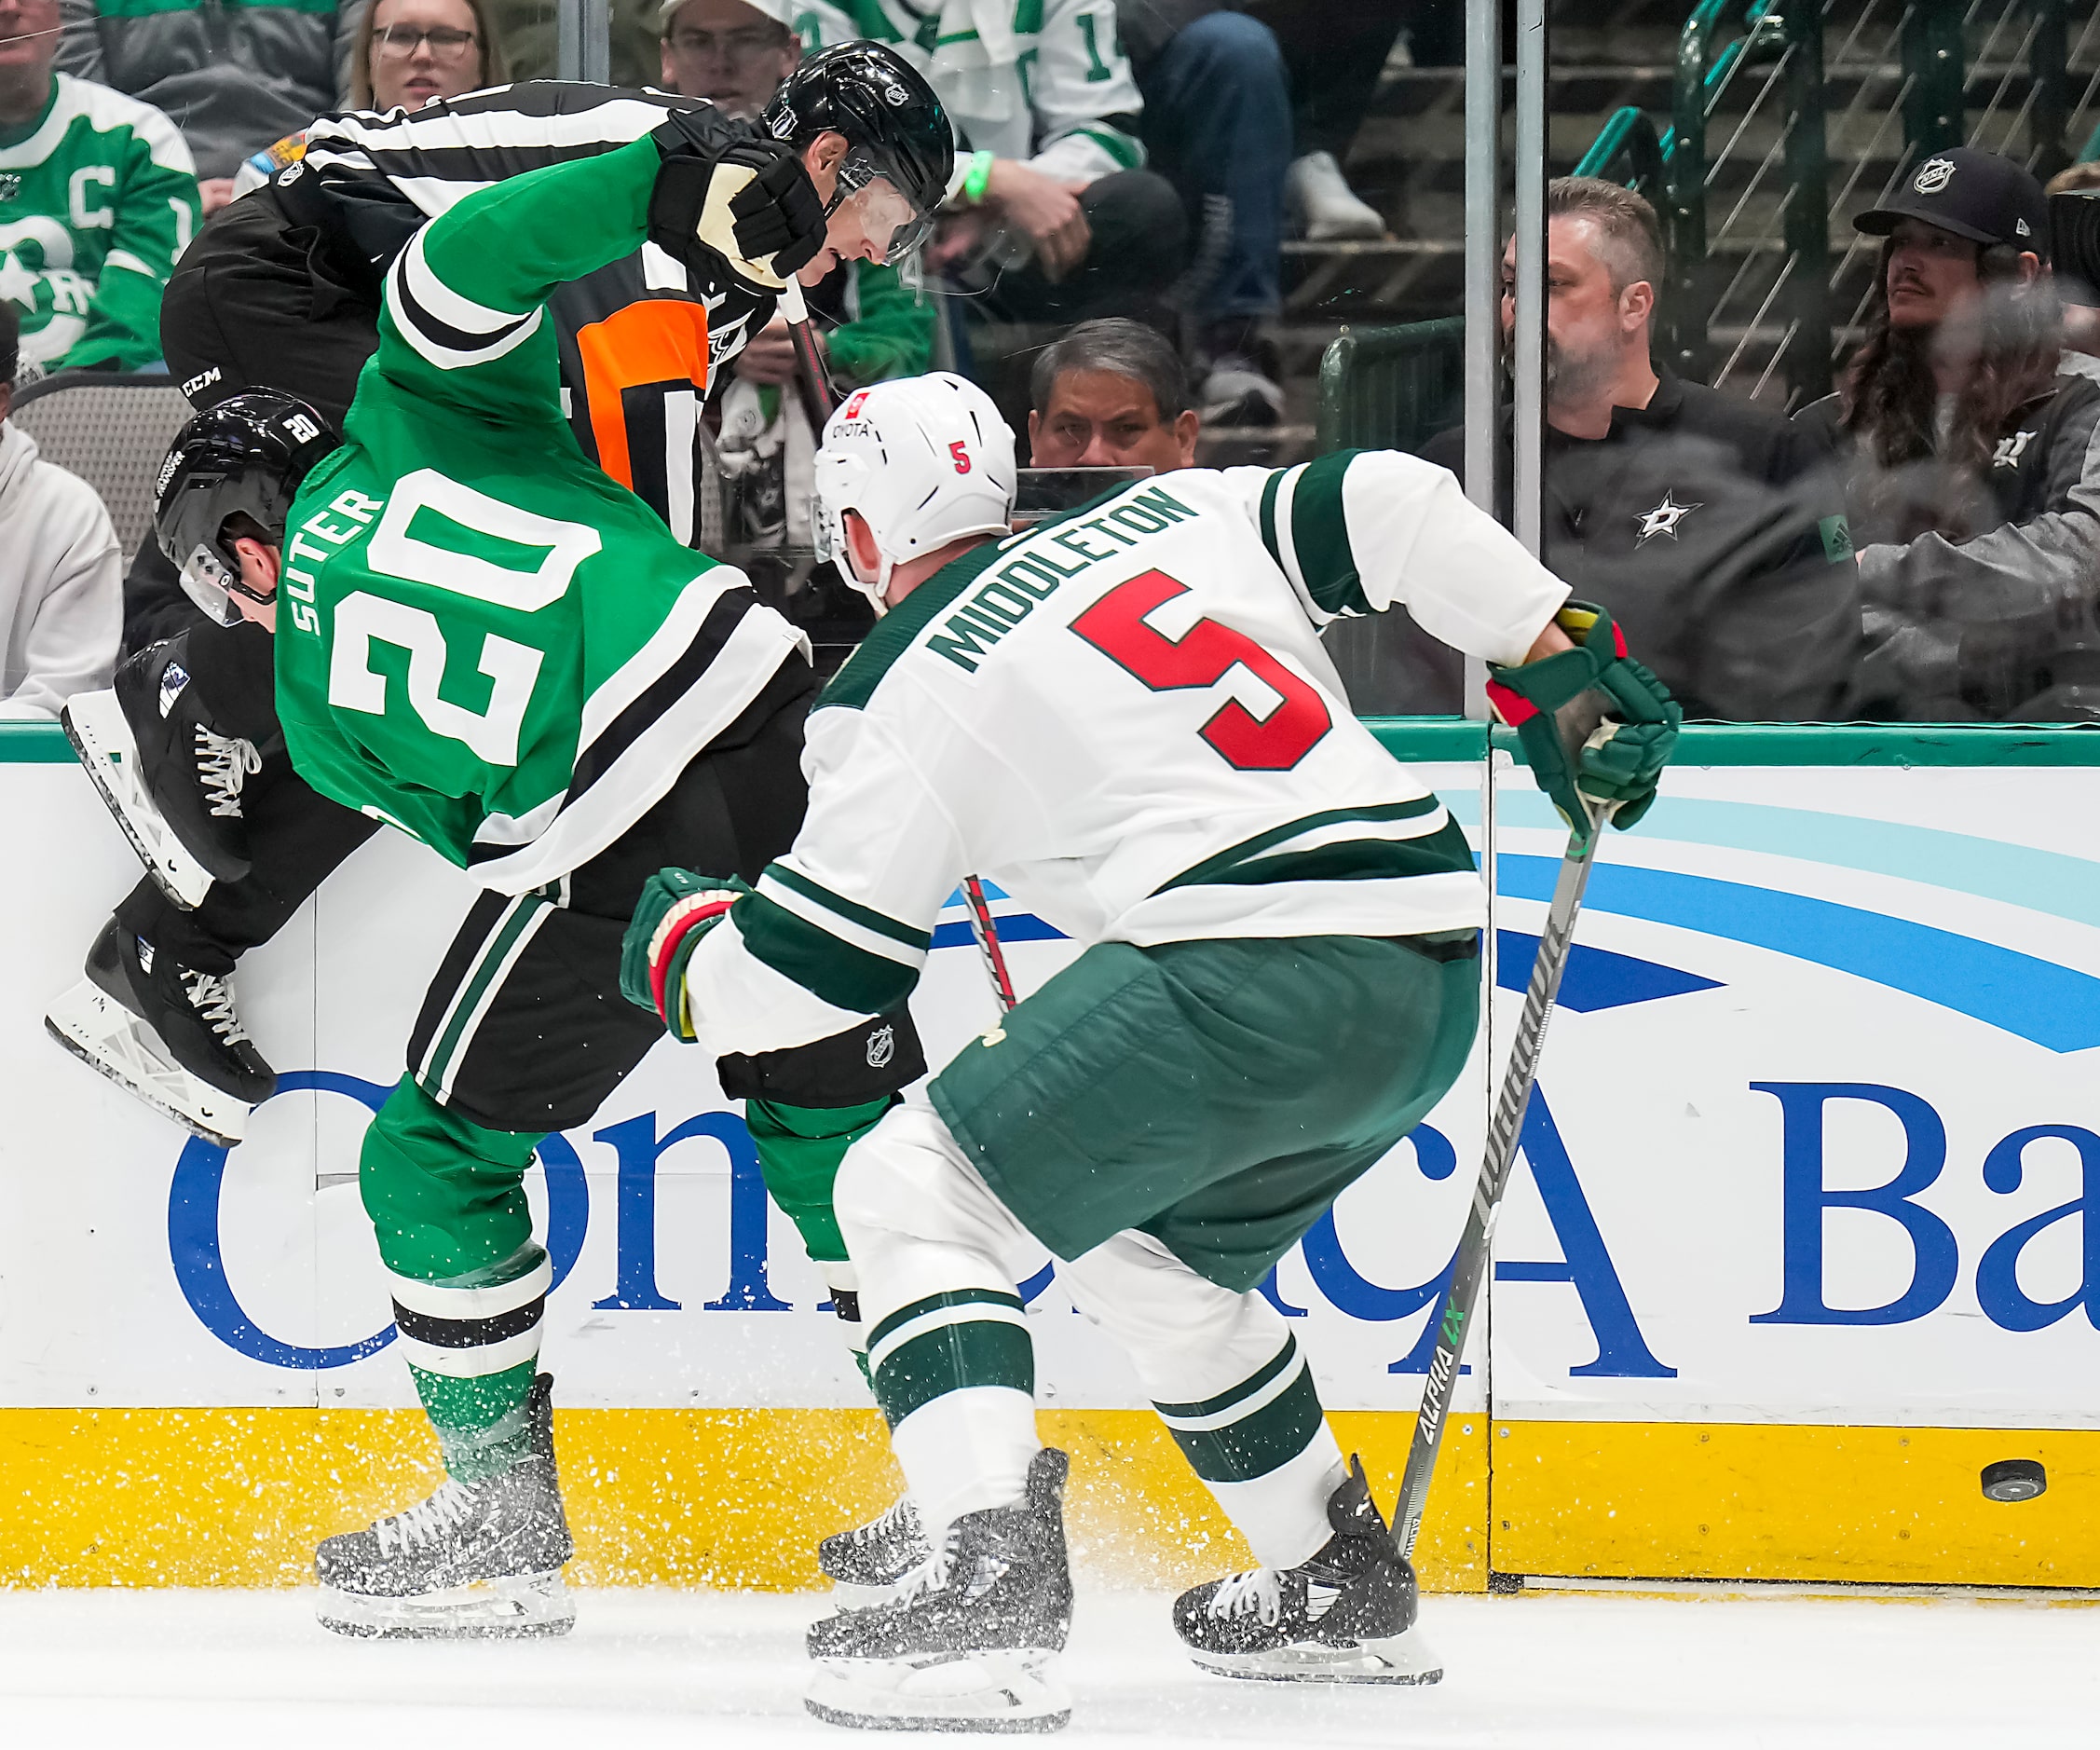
point(1307, 534)
point(853, 912)
point(830, 968)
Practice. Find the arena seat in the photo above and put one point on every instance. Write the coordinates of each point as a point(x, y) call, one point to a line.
point(1392, 387)
point(111, 430)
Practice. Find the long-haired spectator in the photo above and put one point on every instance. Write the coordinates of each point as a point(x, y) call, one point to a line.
point(1974, 478)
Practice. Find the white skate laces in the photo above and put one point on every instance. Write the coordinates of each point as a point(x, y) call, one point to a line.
point(223, 764)
point(900, 1521)
point(426, 1522)
point(1254, 1591)
point(212, 997)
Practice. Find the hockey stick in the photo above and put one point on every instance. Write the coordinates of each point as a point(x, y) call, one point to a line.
point(818, 398)
point(1470, 1268)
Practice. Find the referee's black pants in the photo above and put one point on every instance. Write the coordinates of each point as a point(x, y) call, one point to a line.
point(256, 300)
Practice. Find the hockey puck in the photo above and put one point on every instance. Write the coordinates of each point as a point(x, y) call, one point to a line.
point(2013, 1480)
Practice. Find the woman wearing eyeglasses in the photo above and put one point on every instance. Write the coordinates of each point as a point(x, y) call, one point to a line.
point(409, 51)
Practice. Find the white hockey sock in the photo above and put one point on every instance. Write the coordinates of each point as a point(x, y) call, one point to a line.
point(1283, 1515)
point(965, 1451)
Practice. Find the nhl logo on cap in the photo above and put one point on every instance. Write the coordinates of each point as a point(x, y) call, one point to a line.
point(881, 1047)
point(1934, 175)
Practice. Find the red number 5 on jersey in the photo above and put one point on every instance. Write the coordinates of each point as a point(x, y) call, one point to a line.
point(962, 456)
point(1115, 626)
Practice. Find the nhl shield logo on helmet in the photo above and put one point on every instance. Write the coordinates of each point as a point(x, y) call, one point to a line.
point(1934, 175)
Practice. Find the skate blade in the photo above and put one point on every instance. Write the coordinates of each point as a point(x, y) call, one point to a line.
point(1405, 1657)
point(112, 1041)
point(984, 1692)
point(94, 724)
point(513, 1607)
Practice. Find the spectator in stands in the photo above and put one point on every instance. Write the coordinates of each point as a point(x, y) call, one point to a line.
point(872, 321)
point(2081, 318)
point(1249, 105)
point(1973, 475)
point(1051, 216)
point(1710, 527)
point(97, 196)
point(231, 77)
point(1112, 394)
point(408, 52)
point(61, 575)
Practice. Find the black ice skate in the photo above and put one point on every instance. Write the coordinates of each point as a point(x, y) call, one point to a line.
point(171, 778)
point(477, 1560)
point(166, 1032)
point(1346, 1615)
point(966, 1648)
point(870, 1562)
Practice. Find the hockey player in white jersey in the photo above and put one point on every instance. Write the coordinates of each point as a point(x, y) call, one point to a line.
point(1126, 719)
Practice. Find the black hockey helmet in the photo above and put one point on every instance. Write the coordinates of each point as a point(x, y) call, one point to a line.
point(247, 456)
point(895, 127)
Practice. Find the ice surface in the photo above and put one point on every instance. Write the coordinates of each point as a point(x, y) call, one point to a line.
point(724, 1672)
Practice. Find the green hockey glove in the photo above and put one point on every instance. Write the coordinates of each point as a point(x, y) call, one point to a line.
point(1619, 764)
point(676, 911)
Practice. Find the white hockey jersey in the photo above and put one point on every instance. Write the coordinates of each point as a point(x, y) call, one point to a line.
point(1126, 719)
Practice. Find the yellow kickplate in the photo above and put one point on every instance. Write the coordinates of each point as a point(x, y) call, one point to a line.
point(713, 1497)
point(1733, 1501)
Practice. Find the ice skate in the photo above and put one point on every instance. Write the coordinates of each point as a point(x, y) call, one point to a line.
point(868, 1564)
point(167, 1033)
point(191, 774)
point(1345, 1616)
point(968, 1645)
point(94, 723)
point(477, 1560)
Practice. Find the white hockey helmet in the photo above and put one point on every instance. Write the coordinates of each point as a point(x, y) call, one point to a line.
point(924, 460)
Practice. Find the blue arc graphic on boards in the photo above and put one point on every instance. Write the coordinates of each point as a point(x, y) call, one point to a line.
point(2053, 1007)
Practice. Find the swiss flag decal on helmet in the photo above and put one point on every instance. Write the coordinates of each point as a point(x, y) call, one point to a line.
point(852, 410)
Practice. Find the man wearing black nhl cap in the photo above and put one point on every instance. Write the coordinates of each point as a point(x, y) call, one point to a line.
point(1973, 466)
point(1712, 528)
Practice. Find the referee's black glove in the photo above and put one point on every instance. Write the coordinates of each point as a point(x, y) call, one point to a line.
point(748, 200)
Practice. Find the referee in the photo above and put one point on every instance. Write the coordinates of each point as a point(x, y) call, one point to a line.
point(282, 289)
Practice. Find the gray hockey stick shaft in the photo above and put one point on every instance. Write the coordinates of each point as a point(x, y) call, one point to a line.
point(820, 398)
point(1471, 1267)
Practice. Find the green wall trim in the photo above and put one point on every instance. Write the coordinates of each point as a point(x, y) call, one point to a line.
point(1427, 739)
point(1433, 738)
point(37, 743)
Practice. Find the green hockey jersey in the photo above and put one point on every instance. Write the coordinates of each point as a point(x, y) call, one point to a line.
point(97, 196)
point(480, 637)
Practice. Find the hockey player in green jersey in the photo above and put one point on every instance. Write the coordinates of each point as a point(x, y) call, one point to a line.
point(483, 640)
point(1125, 719)
point(98, 195)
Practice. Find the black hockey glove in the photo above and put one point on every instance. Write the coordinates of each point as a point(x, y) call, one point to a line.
point(749, 201)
